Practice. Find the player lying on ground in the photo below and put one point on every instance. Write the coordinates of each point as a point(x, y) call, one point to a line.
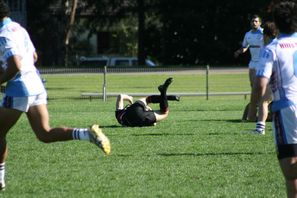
point(139, 113)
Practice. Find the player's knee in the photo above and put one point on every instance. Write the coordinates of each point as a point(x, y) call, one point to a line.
point(165, 111)
point(291, 177)
point(291, 173)
point(44, 137)
point(164, 114)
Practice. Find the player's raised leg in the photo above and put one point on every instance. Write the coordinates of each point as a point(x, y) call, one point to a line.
point(39, 121)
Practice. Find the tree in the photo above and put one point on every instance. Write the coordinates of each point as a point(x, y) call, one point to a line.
point(173, 32)
point(69, 29)
point(141, 32)
point(201, 32)
point(46, 24)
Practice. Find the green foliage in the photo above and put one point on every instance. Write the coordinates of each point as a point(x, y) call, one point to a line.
point(201, 150)
point(46, 26)
point(201, 32)
point(174, 32)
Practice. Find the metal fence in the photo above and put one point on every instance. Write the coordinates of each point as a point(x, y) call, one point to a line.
point(101, 90)
point(91, 83)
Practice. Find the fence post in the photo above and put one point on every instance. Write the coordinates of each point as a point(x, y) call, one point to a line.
point(207, 85)
point(104, 83)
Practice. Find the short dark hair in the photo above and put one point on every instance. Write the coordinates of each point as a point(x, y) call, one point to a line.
point(285, 17)
point(269, 29)
point(4, 9)
point(255, 16)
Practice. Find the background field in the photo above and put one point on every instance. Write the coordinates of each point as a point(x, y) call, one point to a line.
point(201, 150)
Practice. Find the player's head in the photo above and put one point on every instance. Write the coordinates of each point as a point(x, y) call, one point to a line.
point(256, 22)
point(269, 31)
point(4, 9)
point(285, 17)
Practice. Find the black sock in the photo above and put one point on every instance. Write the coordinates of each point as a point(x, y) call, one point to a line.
point(163, 103)
point(161, 99)
point(157, 98)
point(173, 97)
point(153, 99)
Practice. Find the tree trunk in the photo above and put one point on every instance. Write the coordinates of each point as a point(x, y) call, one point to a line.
point(141, 32)
point(68, 30)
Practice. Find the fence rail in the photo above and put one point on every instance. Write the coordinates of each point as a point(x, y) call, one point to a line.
point(142, 69)
point(92, 95)
point(102, 93)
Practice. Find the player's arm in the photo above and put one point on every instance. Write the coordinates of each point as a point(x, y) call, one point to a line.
point(244, 48)
point(121, 99)
point(35, 57)
point(240, 51)
point(13, 67)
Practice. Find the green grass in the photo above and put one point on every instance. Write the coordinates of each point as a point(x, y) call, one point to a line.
point(60, 86)
point(201, 150)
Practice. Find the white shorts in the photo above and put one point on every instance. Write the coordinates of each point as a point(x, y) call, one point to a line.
point(23, 103)
point(285, 131)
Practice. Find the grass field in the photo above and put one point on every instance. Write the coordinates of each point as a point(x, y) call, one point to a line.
point(201, 150)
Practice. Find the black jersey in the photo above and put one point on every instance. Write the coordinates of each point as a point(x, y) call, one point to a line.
point(136, 115)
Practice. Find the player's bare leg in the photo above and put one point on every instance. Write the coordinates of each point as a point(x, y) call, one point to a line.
point(289, 169)
point(8, 118)
point(39, 120)
point(252, 111)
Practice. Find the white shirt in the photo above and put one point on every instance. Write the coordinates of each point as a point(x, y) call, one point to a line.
point(15, 41)
point(254, 41)
point(279, 64)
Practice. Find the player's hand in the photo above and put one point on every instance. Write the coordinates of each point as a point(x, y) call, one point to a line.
point(236, 53)
point(130, 99)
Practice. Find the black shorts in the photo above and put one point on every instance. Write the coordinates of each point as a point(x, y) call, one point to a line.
point(136, 115)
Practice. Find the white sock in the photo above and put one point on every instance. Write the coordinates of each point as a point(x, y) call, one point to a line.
point(260, 126)
point(2, 173)
point(80, 134)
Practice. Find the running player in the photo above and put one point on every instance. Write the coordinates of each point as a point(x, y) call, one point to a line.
point(25, 93)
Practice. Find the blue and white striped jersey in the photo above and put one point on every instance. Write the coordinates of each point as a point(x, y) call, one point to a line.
point(279, 64)
point(15, 41)
point(254, 41)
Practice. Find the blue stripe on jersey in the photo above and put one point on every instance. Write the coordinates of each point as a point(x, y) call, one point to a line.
point(5, 22)
point(7, 102)
point(280, 134)
point(281, 90)
point(9, 53)
point(281, 104)
point(16, 87)
point(283, 35)
point(258, 31)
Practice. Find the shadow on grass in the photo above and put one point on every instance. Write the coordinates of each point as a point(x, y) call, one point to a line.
point(110, 126)
point(213, 154)
point(58, 88)
point(202, 154)
point(222, 120)
point(213, 120)
point(204, 110)
point(163, 134)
